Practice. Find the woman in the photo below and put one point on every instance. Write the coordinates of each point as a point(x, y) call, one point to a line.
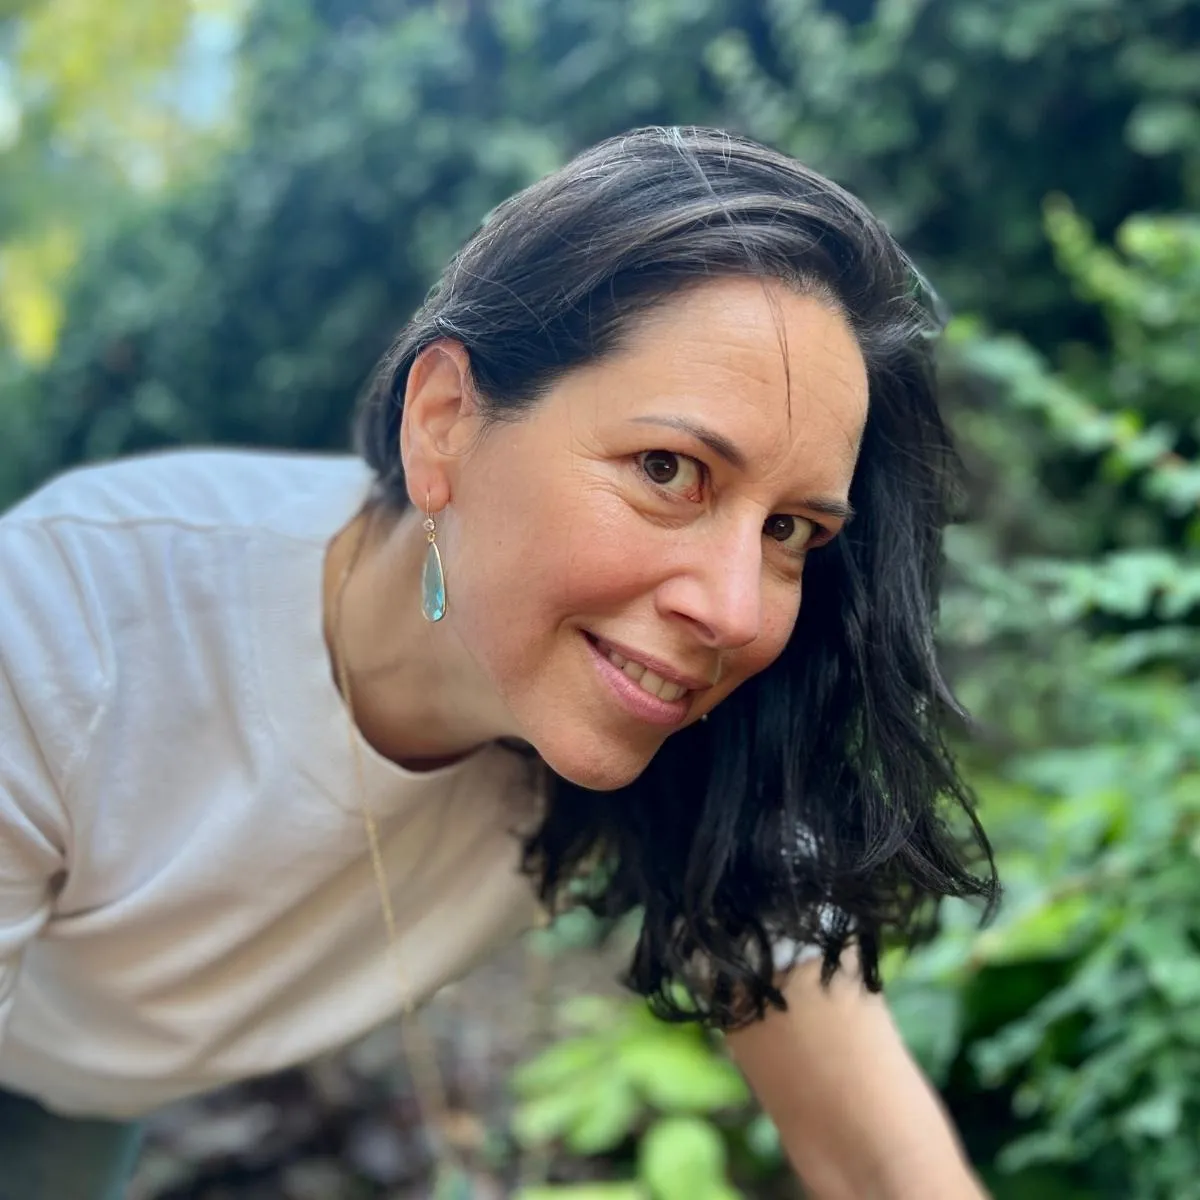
point(548, 640)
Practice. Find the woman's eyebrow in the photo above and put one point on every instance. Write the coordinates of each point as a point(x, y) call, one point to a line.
point(830, 507)
point(718, 443)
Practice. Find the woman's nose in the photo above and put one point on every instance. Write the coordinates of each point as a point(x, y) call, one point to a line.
point(718, 589)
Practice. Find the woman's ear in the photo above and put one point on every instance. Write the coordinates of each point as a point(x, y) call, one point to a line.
point(441, 419)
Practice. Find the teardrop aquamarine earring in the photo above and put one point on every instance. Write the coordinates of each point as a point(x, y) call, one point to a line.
point(433, 578)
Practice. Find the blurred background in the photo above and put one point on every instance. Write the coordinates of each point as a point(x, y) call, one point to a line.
point(214, 214)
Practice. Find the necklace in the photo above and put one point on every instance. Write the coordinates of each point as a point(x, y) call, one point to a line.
point(417, 1048)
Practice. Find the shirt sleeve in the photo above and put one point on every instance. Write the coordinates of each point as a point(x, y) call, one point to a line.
point(31, 848)
point(47, 696)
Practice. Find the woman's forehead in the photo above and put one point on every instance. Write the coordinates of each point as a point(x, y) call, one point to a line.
point(759, 331)
point(762, 366)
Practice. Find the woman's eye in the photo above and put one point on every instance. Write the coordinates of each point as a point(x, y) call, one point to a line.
point(794, 533)
point(674, 472)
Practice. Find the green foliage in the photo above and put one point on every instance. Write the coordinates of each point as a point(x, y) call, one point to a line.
point(628, 1063)
point(249, 305)
point(88, 117)
point(621, 1074)
point(1090, 673)
point(585, 1191)
point(683, 1158)
point(956, 118)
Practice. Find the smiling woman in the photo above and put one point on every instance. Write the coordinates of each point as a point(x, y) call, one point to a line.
point(646, 398)
point(606, 519)
point(634, 604)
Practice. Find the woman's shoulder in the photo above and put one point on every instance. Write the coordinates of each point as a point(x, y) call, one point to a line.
point(111, 555)
point(202, 488)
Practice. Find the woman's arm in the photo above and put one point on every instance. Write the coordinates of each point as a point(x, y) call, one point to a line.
point(858, 1119)
point(51, 677)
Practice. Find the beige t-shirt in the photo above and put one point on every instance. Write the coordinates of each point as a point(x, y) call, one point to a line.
point(186, 897)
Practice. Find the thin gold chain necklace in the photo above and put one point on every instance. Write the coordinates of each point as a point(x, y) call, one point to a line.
point(417, 1047)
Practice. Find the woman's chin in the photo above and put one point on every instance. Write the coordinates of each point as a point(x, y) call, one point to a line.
point(598, 767)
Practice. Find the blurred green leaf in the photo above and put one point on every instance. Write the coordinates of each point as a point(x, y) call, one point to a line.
point(584, 1191)
point(683, 1158)
point(608, 1116)
point(678, 1074)
point(561, 1063)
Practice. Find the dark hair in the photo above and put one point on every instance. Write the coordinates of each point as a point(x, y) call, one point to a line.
point(820, 802)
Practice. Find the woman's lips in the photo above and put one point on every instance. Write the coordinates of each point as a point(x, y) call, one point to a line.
point(663, 702)
point(622, 654)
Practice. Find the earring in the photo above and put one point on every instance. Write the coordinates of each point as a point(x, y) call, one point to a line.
point(433, 578)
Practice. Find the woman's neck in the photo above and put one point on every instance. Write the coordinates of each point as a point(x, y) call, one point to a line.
point(417, 696)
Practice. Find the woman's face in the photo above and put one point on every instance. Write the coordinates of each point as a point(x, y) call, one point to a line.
point(631, 550)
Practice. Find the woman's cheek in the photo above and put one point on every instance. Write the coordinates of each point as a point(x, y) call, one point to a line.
point(778, 627)
point(604, 534)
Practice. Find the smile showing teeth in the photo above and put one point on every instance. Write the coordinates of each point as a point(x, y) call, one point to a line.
point(647, 680)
